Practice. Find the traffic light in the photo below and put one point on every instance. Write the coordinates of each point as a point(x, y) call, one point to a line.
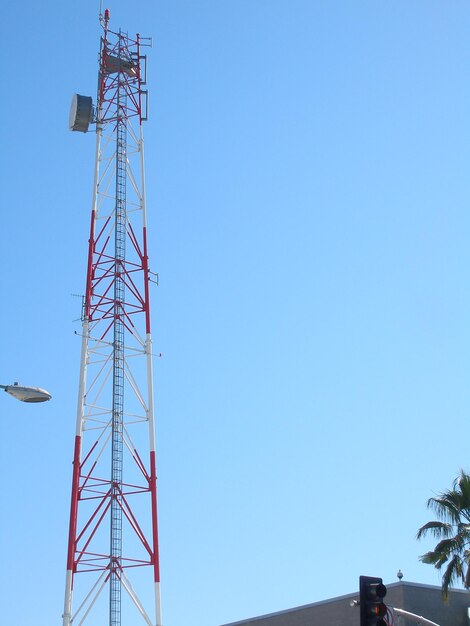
point(371, 594)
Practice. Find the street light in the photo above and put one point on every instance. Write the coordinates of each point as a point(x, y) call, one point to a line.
point(27, 394)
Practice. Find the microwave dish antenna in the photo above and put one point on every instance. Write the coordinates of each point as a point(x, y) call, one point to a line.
point(81, 113)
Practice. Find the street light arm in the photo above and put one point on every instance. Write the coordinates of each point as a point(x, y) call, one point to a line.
point(419, 619)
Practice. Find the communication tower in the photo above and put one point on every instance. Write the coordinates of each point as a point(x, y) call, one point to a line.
point(113, 559)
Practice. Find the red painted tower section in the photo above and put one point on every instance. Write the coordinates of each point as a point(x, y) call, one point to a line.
point(113, 560)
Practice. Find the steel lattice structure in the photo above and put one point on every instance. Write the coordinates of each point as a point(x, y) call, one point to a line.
point(113, 560)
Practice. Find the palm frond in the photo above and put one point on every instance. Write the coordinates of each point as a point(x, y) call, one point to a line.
point(453, 503)
point(435, 528)
point(447, 506)
point(434, 558)
point(450, 546)
point(453, 572)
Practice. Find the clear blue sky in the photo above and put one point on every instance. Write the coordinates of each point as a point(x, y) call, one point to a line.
point(308, 166)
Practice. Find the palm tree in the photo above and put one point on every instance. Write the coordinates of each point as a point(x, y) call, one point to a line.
point(453, 529)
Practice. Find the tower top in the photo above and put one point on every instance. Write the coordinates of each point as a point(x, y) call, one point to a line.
point(104, 20)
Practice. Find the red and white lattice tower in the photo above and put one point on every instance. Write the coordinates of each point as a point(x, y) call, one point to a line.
point(113, 562)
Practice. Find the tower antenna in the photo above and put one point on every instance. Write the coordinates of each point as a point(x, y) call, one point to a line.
point(113, 557)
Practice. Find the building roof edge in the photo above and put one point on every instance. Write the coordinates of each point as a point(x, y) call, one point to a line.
point(401, 583)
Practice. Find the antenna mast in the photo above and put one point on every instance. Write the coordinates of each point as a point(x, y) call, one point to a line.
point(113, 558)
